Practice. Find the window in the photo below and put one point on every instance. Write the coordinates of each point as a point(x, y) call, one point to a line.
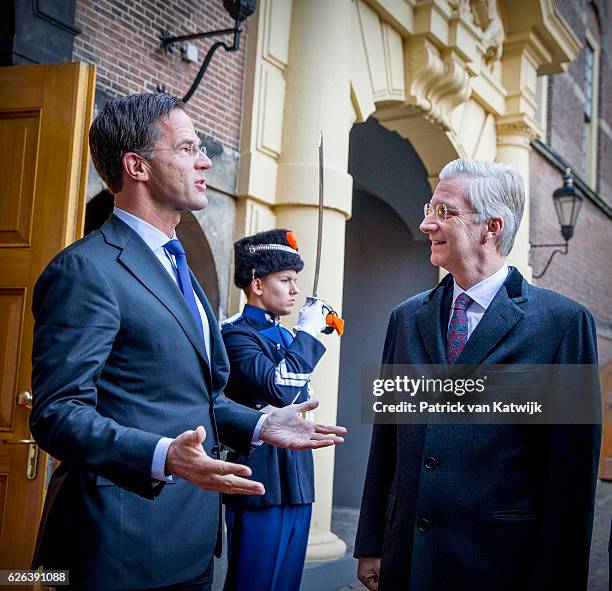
point(591, 97)
point(588, 83)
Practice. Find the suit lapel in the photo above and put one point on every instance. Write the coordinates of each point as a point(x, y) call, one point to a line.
point(140, 260)
point(432, 319)
point(500, 317)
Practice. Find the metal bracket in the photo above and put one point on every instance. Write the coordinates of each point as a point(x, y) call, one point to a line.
point(557, 246)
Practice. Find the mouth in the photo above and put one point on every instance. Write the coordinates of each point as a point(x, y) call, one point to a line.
point(201, 183)
point(437, 242)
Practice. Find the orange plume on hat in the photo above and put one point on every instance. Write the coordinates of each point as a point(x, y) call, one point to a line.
point(291, 239)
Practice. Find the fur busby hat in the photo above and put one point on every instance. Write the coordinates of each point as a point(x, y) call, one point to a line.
point(265, 253)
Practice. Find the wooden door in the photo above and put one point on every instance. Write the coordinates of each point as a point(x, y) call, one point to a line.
point(605, 460)
point(45, 112)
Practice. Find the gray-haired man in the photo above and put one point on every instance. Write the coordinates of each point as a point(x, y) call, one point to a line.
point(502, 507)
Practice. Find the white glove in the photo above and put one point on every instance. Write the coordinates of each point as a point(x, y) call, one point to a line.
point(312, 317)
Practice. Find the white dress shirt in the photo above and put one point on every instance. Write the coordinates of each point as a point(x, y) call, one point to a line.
point(482, 293)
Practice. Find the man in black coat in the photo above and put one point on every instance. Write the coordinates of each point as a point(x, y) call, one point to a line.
point(472, 507)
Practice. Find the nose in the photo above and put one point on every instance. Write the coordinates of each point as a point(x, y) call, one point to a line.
point(429, 223)
point(294, 289)
point(202, 162)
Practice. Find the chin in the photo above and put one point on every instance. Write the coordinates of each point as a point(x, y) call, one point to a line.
point(198, 202)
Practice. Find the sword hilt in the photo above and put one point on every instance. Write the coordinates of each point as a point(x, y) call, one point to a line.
point(333, 321)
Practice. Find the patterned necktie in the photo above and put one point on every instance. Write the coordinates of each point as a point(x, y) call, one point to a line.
point(458, 330)
point(175, 248)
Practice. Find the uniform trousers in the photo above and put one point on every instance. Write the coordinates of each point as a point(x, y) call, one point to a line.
point(266, 547)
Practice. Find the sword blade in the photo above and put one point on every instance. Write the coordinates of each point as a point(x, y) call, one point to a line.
point(315, 286)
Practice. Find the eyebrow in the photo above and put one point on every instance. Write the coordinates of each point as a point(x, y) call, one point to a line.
point(187, 140)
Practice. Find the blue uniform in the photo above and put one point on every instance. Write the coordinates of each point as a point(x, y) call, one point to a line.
point(269, 366)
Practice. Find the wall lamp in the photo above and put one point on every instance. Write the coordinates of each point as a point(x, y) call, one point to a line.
point(239, 10)
point(567, 204)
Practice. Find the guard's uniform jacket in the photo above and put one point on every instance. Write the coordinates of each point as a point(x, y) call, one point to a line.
point(269, 366)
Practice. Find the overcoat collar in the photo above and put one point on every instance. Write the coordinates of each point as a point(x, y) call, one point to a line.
point(500, 317)
point(140, 260)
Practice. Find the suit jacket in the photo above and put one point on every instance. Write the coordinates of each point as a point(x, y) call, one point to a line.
point(269, 367)
point(506, 507)
point(119, 362)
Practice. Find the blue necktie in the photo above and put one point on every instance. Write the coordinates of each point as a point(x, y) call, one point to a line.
point(175, 248)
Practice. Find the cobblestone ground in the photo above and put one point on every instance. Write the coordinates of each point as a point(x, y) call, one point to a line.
point(344, 521)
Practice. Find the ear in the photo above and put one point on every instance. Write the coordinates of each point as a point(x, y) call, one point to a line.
point(135, 166)
point(494, 228)
point(256, 286)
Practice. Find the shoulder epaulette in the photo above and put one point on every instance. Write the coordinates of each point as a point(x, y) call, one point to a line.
point(231, 319)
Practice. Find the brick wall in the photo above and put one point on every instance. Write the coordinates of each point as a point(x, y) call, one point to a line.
point(121, 37)
point(585, 274)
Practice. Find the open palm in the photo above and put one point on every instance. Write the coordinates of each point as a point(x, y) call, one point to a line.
point(286, 427)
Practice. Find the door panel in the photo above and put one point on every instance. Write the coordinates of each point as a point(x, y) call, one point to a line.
point(45, 112)
point(12, 308)
point(19, 133)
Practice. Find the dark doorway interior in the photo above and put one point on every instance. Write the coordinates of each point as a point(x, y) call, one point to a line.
point(386, 262)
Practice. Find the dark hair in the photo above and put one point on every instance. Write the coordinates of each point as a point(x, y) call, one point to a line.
point(127, 124)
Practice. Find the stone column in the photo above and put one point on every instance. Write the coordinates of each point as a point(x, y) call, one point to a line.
point(518, 126)
point(318, 99)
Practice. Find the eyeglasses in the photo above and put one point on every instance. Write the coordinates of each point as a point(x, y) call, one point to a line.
point(194, 151)
point(443, 212)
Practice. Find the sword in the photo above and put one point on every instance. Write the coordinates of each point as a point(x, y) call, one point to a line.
point(334, 322)
point(315, 286)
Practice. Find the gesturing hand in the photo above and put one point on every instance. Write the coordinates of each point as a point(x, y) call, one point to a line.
point(286, 427)
point(187, 459)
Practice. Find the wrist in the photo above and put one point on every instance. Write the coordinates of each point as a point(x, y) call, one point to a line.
point(312, 331)
point(168, 465)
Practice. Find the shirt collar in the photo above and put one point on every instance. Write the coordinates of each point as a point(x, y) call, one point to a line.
point(484, 292)
point(260, 315)
point(153, 236)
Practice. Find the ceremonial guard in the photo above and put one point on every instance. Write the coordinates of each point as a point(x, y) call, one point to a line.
point(271, 367)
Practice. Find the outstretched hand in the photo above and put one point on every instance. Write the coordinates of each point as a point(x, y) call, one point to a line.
point(187, 459)
point(286, 427)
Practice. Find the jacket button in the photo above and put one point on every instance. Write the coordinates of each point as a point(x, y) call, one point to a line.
point(430, 463)
point(424, 525)
point(278, 347)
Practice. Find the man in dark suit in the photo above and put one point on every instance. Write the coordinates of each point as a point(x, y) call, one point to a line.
point(473, 507)
point(127, 361)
